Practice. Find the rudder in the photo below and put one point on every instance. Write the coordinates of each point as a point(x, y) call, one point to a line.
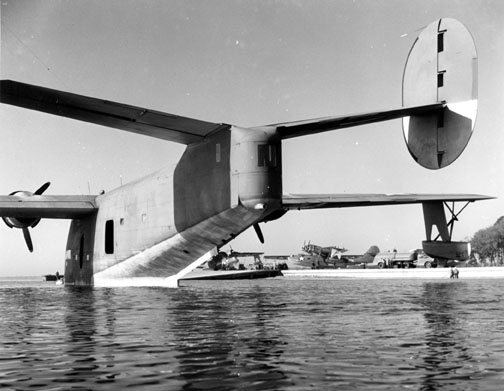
point(441, 67)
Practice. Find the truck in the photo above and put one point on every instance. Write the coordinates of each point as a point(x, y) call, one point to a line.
point(412, 259)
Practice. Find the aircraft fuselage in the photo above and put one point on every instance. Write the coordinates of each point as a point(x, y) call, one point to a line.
point(161, 223)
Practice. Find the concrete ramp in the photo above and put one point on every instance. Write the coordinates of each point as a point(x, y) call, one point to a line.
point(432, 273)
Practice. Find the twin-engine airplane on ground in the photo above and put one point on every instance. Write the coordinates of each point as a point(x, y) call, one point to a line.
point(152, 231)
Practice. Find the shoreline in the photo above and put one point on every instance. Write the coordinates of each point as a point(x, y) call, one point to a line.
point(491, 272)
point(433, 273)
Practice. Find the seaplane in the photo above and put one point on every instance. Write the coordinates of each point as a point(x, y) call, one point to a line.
point(156, 229)
point(331, 257)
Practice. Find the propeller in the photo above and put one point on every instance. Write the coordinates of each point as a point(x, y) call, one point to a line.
point(25, 222)
point(258, 232)
point(42, 188)
point(27, 238)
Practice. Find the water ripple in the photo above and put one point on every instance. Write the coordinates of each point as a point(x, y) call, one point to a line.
point(255, 335)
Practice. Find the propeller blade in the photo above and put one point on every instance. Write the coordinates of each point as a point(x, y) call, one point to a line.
point(28, 240)
point(42, 188)
point(259, 232)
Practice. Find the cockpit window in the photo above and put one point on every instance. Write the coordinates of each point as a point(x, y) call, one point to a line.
point(267, 156)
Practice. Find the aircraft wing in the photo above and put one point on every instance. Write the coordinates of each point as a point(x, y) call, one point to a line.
point(321, 201)
point(52, 207)
point(103, 112)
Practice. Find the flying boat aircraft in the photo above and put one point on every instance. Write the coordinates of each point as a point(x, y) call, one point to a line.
point(330, 257)
point(156, 229)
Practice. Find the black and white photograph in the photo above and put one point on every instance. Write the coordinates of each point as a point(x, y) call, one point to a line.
point(251, 195)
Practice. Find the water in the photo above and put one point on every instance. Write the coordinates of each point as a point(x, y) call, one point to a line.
point(275, 334)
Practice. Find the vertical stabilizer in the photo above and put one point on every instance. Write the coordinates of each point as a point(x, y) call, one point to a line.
point(442, 67)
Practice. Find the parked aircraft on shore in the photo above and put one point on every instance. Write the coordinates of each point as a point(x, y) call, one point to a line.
point(156, 229)
point(234, 260)
point(316, 258)
point(324, 252)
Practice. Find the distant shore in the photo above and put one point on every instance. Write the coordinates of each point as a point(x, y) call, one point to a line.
point(432, 273)
point(418, 273)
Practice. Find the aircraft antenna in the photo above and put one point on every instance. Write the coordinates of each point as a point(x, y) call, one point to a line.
point(28, 49)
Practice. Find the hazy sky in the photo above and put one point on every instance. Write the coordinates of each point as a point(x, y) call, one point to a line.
point(245, 63)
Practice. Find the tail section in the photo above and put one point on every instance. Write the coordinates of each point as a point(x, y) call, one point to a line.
point(442, 67)
point(369, 255)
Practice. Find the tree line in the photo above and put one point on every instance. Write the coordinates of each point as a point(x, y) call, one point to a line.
point(488, 244)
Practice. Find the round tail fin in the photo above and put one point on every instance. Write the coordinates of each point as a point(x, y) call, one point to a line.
point(442, 67)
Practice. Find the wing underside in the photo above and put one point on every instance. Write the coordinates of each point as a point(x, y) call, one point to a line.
point(322, 201)
point(51, 207)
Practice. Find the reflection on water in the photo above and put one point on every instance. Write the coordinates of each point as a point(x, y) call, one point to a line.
point(80, 346)
point(446, 338)
point(255, 335)
point(234, 343)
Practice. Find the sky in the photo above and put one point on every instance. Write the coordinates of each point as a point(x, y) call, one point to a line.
point(248, 64)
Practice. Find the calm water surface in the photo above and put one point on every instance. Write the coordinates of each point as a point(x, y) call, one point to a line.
point(275, 334)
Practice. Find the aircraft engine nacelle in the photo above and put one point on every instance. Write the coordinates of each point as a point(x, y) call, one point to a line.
point(22, 222)
point(441, 67)
point(18, 222)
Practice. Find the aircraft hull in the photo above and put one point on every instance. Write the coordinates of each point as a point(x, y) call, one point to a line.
point(169, 257)
point(159, 225)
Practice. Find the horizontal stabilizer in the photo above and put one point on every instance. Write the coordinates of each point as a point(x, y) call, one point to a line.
point(313, 201)
point(103, 112)
point(303, 128)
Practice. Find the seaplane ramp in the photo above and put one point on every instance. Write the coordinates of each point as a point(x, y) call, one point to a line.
point(418, 273)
